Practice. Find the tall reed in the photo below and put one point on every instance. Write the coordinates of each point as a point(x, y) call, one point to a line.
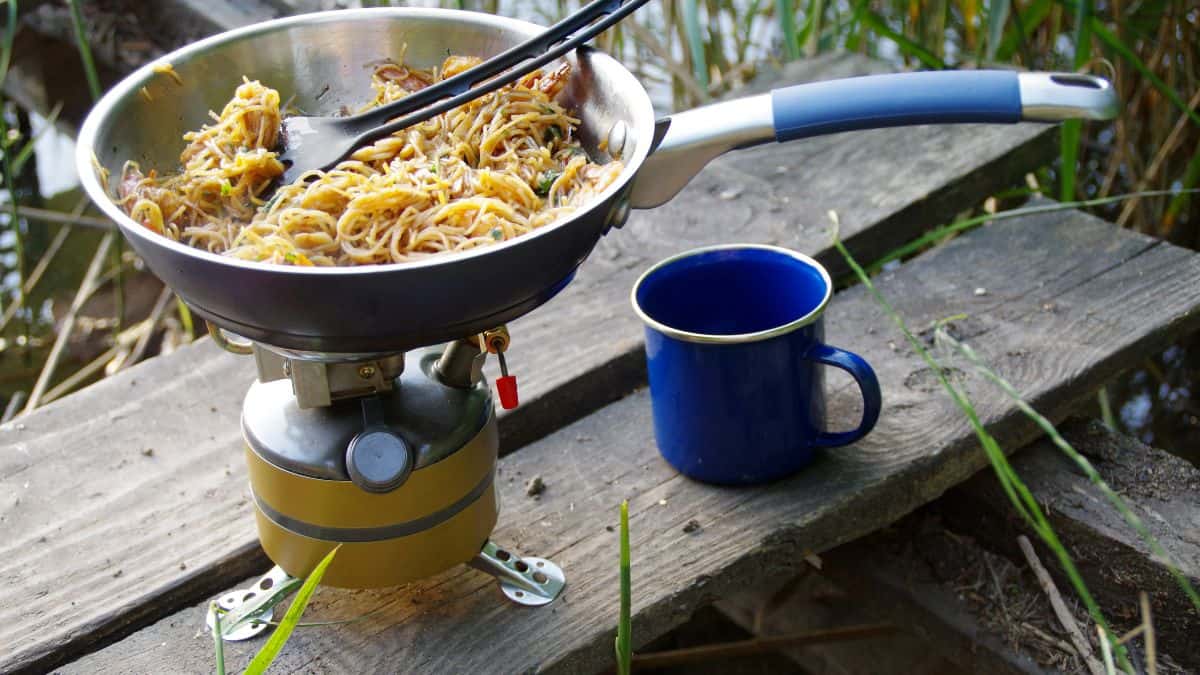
point(1149, 48)
point(7, 143)
point(1019, 495)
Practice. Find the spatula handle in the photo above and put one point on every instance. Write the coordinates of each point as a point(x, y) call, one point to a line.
point(494, 73)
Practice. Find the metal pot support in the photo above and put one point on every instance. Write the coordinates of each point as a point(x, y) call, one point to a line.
point(247, 612)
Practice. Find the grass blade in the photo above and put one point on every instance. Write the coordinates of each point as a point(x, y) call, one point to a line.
point(93, 80)
point(218, 641)
point(695, 40)
point(907, 45)
point(185, 318)
point(262, 660)
point(1018, 493)
point(14, 215)
point(1027, 22)
point(624, 646)
point(810, 33)
point(10, 34)
point(1191, 176)
point(787, 25)
point(85, 51)
point(997, 18)
point(6, 50)
point(747, 29)
point(1068, 148)
point(1080, 461)
point(1106, 413)
point(1098, 28)
point(1072, 129)
point(937, 234)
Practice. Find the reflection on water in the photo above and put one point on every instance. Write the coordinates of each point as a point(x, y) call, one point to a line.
point(1157, 401)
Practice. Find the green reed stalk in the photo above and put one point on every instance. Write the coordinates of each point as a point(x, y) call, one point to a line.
point(85, 51)
point(907, 45)
point(10, 34)
point(93, 80)
point(1072, 129)
point(810, 34)
point(185, 318)
point(6, 49)
point(1106, 36)
point(939, 233)
point(624, 646)
point(1082, 462)
point(1027, 21)
point(14, 214)
point(695, 40)
point(218, 639)
point(1106, 412)
point(1018, 493)
point(1191, 176)
point(747, 27)
point(787, 26)
point(997, 19)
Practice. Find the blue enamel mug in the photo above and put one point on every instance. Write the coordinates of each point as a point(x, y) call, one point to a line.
point(735, 349)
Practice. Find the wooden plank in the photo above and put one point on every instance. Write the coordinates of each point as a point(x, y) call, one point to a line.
point(581, 351)
point(1162, 489)
point(1069, 301)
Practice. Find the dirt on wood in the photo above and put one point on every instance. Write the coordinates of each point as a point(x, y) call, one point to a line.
point(1131, 470)
point(1006, 600)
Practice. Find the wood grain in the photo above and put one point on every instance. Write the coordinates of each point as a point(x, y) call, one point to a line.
point(1069, 300)
point(176, 524)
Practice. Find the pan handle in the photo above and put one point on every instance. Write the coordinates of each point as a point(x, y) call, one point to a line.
point(687, 141)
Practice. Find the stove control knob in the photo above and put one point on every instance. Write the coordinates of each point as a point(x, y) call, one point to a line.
point(379, 460)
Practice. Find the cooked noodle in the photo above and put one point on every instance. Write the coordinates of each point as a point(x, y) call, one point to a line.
point(495, 168)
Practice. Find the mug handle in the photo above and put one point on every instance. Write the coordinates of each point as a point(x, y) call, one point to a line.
point(865, 377)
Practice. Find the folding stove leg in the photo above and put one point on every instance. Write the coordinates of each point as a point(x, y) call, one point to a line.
point(529, 581)
point(526, 581)
point(253, 605)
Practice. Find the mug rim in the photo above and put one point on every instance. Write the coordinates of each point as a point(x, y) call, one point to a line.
point(737, 338)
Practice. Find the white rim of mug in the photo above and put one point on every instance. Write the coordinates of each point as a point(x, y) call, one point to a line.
point(710, 338)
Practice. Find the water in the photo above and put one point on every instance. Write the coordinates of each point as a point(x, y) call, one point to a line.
point(1157, 402)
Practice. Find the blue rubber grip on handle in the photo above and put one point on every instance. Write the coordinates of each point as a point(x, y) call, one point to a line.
point(901, 99)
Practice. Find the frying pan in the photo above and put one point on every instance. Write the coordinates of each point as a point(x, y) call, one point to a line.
point(325, 60)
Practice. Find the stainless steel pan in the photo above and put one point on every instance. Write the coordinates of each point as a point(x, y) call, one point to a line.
point(325, 60)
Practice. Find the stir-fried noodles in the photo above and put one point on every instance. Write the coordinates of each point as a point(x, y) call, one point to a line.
point(495, 168)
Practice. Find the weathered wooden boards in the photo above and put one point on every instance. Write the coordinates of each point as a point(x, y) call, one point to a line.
point(1066, 301)
point(1161, 489)
point(83, 482)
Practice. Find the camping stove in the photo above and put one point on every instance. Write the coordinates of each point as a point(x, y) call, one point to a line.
point(392, 456)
